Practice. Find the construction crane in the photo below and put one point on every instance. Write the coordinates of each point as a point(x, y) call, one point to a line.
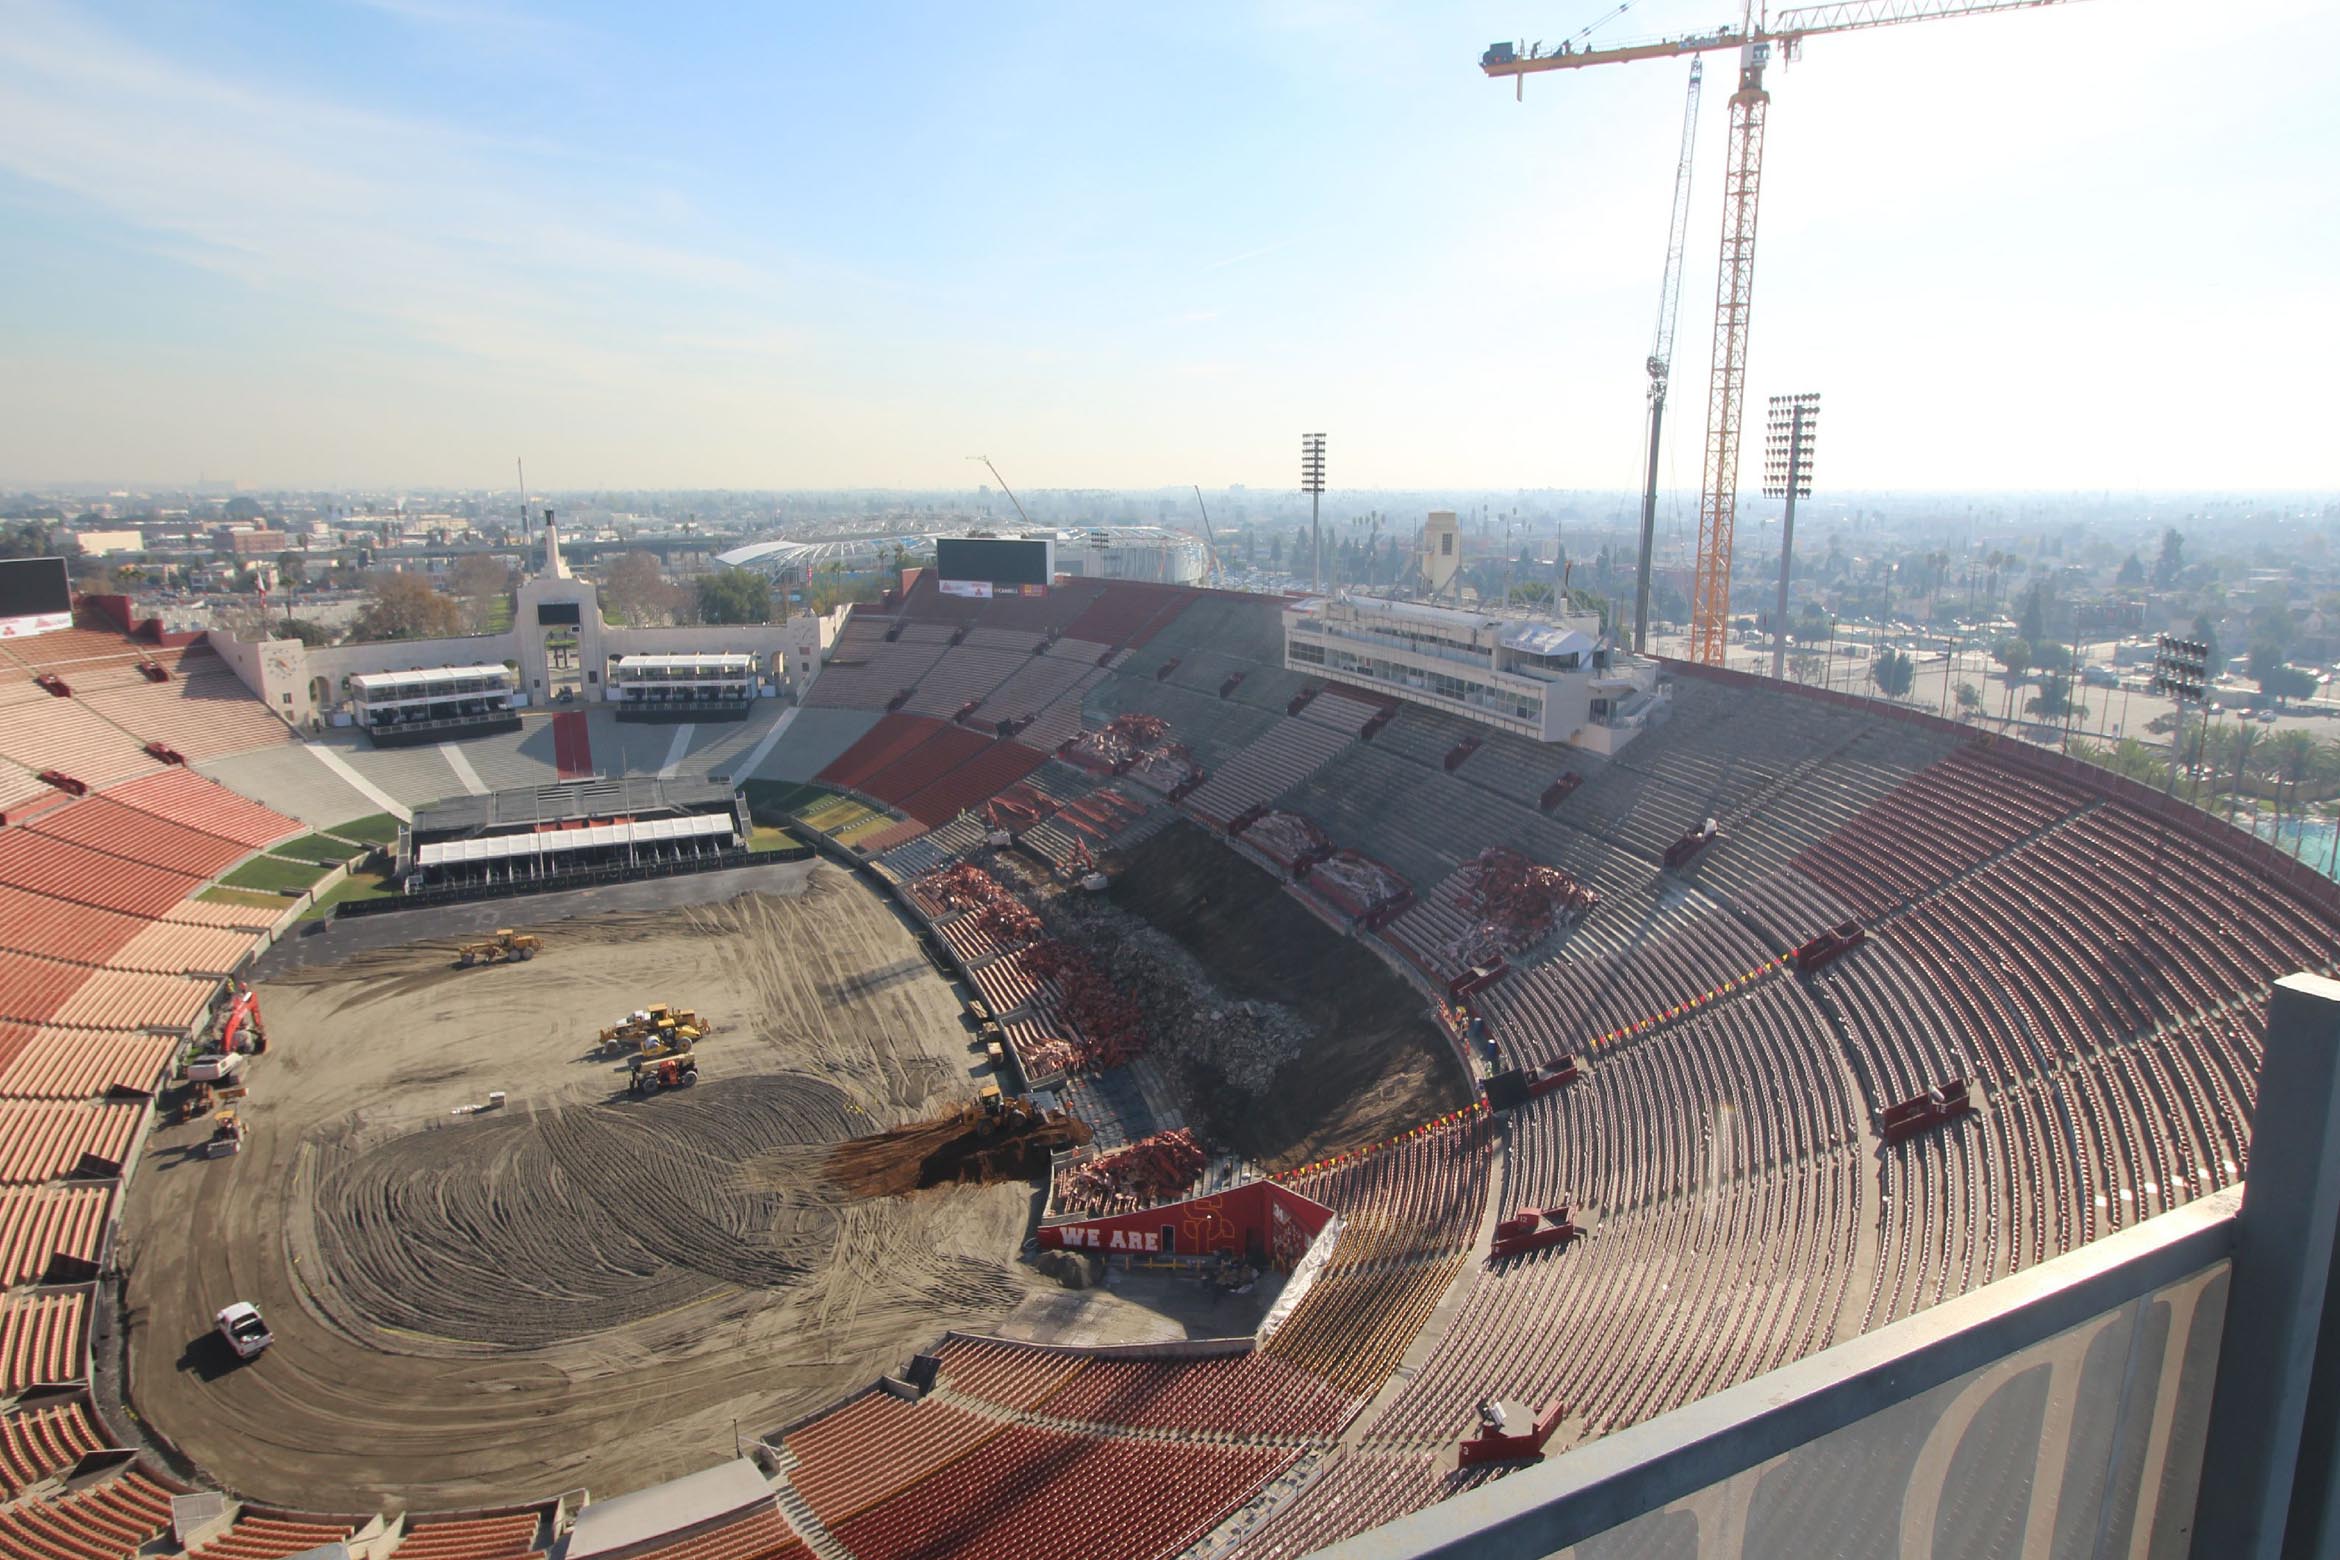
point(1734, 282)
point(1661, 353)
point(1217, 573)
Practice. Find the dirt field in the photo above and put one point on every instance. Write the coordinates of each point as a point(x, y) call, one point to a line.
point(1374, 1064)
point(585, 1288)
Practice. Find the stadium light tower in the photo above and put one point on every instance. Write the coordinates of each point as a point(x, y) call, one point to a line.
point(1312, 483)
point(2181, 670)
point(1787, 473)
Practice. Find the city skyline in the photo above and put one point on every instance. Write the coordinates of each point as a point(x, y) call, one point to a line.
point(398, 243)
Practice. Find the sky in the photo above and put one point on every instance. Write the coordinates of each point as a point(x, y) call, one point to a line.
point(401, 242)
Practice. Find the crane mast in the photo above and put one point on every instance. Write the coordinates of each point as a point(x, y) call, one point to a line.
point(1726, 390)
point(1734, 285)
point(1661, 353)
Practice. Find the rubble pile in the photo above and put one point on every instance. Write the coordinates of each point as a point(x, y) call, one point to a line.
point(1237, 1044)
point(1110, 1025)
point(1514, 902)
point(1287, 839)
point(965, 887)
point(1359, 885)
point(1151, 1170)
point(1116, 745)
point(1165, 768)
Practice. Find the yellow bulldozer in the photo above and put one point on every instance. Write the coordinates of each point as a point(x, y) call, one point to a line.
point(506, 947)
point(658, 1023)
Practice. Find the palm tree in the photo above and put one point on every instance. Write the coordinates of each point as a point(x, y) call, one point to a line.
point(2291, 758)
point(2243, 738)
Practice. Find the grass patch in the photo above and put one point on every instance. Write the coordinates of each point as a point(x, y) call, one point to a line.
point(380, 829)
point(237, 896)
point(770, 837)
point(274, 874)
point(774, 800)
point(358, 885)
point(319, 848)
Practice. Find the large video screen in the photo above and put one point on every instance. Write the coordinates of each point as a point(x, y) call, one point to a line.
point(36, 595)
point(1011, 566)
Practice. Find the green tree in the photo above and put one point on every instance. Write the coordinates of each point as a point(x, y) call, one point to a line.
point(2031, 613)
point(2233, 755)
point(2132, 573)
point(404, 606)
point(2172, 561)
point(735, 596)
point(292, 570)
point(2293, 758)
point(308, 633)
point(1893, 674)
point(1969, 698)
point(635, 591)
point(2126, 757)
point(480, 580)
point(2054, 700)
point(2014, 658)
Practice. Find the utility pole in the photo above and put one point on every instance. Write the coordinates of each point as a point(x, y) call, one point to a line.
point(1787, 473)
point(1312, 483)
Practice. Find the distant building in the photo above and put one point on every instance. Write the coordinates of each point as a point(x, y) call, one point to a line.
point(1441, 550)
point(1552, 679)
point(99, 544)
point(254, 542)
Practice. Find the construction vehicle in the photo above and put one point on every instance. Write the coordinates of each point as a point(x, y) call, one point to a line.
point(678, 1071)
point(227, 1136)
point(673, 1040)
point(506, 947)
point(658, 1020)
point(240, 1324)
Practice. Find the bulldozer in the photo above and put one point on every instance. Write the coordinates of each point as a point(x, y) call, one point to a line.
point(678, 1071)
point(506, 947)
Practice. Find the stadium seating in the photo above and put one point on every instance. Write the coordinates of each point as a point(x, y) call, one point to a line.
point(2100, 979)
point(39, 1224)
point(110, 1519)
point(499, 1536)
point(258, 1535)
point(763, 1535)
point(42, 1338)
point(45, 1440)
point(1094, 1495)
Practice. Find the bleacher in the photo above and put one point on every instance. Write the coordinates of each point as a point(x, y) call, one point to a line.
point(2099, 980)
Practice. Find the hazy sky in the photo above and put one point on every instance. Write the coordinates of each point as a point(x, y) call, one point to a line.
point(402, 241)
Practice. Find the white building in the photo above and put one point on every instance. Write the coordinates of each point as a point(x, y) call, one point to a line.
point(719, 685)
point(559, 651)
point(1554, 680)
point(1150, 553)
point(432, 704)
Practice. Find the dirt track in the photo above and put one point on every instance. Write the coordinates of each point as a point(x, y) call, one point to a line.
point(585, 1288)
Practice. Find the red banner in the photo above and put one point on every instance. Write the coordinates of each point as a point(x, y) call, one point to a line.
point(1259, 1219)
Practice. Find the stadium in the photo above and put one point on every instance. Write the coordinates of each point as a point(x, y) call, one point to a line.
point(1413, 1101)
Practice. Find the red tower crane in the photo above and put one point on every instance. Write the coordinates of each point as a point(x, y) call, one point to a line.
point(1734, 282)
